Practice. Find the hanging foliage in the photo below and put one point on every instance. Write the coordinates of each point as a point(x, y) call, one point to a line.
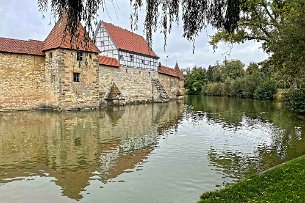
point(195, 14)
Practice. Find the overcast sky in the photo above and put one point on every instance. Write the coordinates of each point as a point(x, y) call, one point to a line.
point(21, 19)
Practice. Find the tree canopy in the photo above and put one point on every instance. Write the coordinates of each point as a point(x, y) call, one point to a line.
point(279, 25)
point(195, 14)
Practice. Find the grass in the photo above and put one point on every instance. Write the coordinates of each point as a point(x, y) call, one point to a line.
point(284, 183)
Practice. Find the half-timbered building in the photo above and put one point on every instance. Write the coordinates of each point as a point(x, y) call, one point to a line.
point(130, 49)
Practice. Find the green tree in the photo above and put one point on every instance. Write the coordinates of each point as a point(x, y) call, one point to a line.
point(279, 25)
point(259, 20)
point(252, 69)
point(195, 79)
point(289, 46)
point(233, 69)
point(214, 73)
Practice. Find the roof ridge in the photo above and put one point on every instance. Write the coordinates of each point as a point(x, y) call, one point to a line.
point(124, 29)
point(128, 41)
point(24, 40)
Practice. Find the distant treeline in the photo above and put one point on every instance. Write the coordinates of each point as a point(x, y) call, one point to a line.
point(232, 79)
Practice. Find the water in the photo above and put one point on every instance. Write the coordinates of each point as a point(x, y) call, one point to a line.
point(144, 153)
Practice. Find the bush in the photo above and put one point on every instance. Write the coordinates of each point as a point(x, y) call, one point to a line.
point(265, 90)
point(214, 89)
point(295, 100)
point(249, 85)
point(237, 90)
point(228, 87)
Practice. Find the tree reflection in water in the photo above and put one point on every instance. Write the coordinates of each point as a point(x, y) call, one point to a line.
point(283, 128)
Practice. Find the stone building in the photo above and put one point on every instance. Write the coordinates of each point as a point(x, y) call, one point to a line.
point(72, 72)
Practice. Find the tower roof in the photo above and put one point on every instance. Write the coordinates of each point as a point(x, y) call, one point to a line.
point(60, 37)
point(179, 72)
point(174, 72)
point(128, 41)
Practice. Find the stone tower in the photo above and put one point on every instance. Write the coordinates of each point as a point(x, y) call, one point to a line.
point(71, 67)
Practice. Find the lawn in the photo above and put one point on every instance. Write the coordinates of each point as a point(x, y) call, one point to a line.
point(284, 183)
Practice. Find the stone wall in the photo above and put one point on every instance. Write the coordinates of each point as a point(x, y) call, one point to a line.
point(134, 84)
point(170, 84)
point(31, 82)
point(68, 94)
point(22, 81)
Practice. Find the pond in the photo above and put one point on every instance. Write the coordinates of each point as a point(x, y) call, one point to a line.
point(170, 152)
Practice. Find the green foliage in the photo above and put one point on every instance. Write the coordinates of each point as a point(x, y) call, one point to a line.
point(284, 183)
point(230, 79)
point(157, 14)
point(237, 90)
point(265, 90)
point(214, 73)
point(279, 25)
point(214, 89)
point(252, 69)
point(236, 82)
point(295, 100)
point(195, 79)
point(289, 46)
point(232, 70)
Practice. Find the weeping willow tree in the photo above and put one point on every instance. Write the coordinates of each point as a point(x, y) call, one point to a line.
point(196, 14)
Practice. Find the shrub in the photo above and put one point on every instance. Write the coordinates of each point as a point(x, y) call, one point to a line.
point(214, 89)
point(295, 100)
point(237, 88)
point(249, 85)
point(265, 90)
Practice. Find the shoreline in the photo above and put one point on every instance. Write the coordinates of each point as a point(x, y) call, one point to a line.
point(280, 183)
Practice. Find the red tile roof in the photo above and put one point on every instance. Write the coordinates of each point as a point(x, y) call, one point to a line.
point(32, 47)
point(167, 71)
point(176, 72)
point(108, 61)
point(128, 41)
point(60, 37)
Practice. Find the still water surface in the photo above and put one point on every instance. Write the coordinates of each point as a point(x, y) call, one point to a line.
point(145, 153)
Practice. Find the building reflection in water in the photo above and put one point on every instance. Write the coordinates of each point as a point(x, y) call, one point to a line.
point(74, 147)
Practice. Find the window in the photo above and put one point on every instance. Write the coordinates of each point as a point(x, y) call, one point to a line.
point(50, 55)
point(80, 56)
point(121, 57)
point(143, 61)
point(131, 57)
point(76, 77)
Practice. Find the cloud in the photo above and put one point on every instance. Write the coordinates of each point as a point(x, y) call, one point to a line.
point(22, 20)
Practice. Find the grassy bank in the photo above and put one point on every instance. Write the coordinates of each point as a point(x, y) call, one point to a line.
point(285, 183)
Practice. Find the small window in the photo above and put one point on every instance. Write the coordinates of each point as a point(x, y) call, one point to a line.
point(131, 57)
point(121, 57)
point(143, 62)
point(76, 77)
point(50, 55)
point(80, 56)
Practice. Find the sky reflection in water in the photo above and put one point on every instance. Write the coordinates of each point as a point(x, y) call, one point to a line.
point(146, 153)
